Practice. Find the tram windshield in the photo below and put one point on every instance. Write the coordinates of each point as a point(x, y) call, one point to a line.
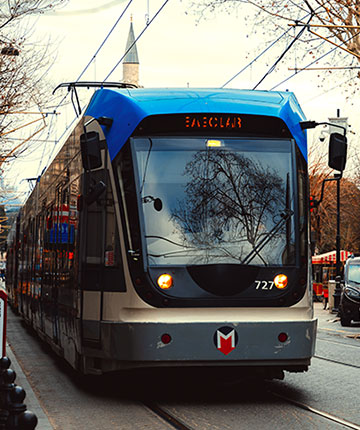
point(216, 201)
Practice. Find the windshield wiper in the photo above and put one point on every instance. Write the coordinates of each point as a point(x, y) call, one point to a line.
point(285, 216)
point(146, 165)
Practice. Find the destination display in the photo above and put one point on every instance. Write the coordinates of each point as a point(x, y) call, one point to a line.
point(214, 124)
point(213, 121)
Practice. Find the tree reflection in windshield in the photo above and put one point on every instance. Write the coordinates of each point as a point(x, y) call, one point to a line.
point(232, 202)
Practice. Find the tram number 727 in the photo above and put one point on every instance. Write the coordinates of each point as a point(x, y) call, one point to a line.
point(264, 285)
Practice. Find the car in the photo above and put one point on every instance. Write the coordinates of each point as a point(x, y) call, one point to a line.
point(349, 308)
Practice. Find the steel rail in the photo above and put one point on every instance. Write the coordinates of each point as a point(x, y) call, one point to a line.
point(337, 342)
point(336, 362)
point(178, 424)
point(318, 412)
point(166, 416)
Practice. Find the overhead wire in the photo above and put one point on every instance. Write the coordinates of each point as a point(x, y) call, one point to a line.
point(109, 74)
point(79, 77)
point(113, 69)
point(272, 68)
point(297, 37)
point(99, 49)
point(105, 40)
point(142, 32)
point(313, 62)
point(255, 59)
point(85, 11)
point(330, 89)
point(264, 51)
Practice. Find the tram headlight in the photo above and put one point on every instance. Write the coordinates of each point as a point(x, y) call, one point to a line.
point(165, 281)
point(281, 281)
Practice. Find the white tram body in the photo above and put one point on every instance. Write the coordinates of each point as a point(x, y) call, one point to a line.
point(172, 230)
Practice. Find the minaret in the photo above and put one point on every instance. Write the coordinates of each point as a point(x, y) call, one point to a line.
point(131, 60)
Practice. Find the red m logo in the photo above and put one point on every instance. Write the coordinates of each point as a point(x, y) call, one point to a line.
point(226, 342)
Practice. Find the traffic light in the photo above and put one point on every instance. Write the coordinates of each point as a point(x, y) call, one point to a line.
point(313, 203)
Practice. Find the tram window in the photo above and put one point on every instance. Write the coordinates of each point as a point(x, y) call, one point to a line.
point(102, 250)
point(111, 233)
point(302, 187)
point(102, 244)
point(200, 222)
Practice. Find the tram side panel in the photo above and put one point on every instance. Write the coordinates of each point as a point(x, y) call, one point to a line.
point(48, 254)
point(12, 262)
point(69, 256)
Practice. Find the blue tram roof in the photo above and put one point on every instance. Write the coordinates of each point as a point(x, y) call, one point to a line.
point(128, 107)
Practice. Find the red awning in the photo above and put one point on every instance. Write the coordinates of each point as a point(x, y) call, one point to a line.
point(330, 257)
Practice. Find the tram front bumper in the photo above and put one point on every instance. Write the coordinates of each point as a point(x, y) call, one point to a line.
point(239, 343)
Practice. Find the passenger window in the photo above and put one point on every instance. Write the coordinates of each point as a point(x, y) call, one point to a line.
point(102, 257)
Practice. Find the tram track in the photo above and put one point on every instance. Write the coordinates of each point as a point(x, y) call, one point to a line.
point(337, 362)
point(179, 424)
point(318, 412)
point(176, 423)
point(337, 342)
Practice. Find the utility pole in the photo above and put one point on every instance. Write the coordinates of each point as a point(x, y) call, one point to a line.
point(337, 292)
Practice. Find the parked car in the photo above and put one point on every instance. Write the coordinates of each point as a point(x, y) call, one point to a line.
point(349, 308)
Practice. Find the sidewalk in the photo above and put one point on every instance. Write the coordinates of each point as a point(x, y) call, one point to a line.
point(330, 322)
point(31, 401)
point(325, 317)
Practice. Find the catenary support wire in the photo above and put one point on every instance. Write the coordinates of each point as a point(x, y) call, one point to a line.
point(84, 70)
point(265, 50)
point(297, 37)
point(313, 62)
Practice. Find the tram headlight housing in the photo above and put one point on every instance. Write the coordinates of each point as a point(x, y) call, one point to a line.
point(165, 281)
point(281, 281)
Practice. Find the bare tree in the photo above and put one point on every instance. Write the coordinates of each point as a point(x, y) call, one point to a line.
point(231, 203)
point(323, 219)
point(13, 10)
point(24, 92)
point(22, 71)
point(320, 27)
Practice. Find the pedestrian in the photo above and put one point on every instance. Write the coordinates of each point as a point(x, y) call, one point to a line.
point(326, 295)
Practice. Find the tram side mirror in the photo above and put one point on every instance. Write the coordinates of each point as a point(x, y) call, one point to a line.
point(90, 150)
point(337, 151)
point(95, 193)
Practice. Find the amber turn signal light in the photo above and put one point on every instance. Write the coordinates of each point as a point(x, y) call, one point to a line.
point(165, 281)
point(281, 281)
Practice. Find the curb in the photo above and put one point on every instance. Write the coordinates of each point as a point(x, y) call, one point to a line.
point(31, 401)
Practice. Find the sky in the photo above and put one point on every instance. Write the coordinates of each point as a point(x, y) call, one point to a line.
point(175, 50)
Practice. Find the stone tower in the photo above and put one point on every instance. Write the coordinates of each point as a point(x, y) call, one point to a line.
point(131, 60)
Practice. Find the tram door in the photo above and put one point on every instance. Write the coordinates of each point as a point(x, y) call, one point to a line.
point(101, 264)
point(60, 241)
point(53, 256)
point(39, 267)
point(49, 265)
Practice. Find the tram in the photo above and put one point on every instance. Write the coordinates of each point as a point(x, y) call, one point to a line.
point(172, 230)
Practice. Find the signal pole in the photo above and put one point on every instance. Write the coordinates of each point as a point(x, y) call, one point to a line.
point(338, 176)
